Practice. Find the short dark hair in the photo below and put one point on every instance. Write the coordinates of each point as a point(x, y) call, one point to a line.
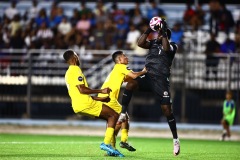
point(68, 54)
point(116, 54)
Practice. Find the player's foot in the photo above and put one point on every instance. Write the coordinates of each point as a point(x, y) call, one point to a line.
point(114, 154)
point(127, 146)
point(224, 135)
point(110, 150)
point(176, 147)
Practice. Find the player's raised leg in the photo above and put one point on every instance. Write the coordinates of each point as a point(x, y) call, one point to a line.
point(124, 135)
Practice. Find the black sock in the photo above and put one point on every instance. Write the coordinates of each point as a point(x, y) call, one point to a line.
point(126, 98)
point(172, 124)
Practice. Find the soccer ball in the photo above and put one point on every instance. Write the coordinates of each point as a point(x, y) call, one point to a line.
point(155, 21)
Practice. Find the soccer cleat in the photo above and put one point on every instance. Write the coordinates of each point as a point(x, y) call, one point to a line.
point(115, 155)
point(127, 146)
point(176, 147)
point(110, 150)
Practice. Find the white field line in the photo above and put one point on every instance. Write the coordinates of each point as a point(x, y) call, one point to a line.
point(50, 142)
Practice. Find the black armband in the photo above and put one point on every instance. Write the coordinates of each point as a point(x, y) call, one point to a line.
point(148, 31)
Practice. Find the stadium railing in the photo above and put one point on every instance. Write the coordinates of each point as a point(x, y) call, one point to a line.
point(41, 68)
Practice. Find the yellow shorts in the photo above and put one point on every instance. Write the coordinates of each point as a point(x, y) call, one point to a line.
point(115, 105)
point(92, 109)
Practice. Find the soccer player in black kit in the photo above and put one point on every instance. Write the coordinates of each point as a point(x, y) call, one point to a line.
point(158, 64)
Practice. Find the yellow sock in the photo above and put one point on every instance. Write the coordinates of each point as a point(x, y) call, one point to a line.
point(108, 135)
point(124, 135)
point(113, 141)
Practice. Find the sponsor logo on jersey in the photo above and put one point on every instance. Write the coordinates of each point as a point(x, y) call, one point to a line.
point(80, 78)
point(165, 93)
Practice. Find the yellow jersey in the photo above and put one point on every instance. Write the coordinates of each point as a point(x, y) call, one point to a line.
point(114, 81)
point(74, 77)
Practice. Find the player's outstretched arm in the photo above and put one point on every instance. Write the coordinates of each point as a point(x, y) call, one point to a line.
point(142, 41)
point(85, 90)
point(134, 75)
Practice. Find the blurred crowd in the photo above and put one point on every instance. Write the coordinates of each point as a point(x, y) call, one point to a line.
point(109, 28)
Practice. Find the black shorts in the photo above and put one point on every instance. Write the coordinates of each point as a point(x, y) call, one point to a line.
point(159, 85)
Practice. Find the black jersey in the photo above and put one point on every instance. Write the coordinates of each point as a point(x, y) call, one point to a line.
point(158, 61)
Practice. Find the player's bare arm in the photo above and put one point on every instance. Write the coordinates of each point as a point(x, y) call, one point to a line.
point(102, 99)
point(142, 41)
point(134, 75)
point(85, 90)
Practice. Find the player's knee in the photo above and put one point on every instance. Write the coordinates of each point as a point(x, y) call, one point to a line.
point(131, 85)
point(166, 111)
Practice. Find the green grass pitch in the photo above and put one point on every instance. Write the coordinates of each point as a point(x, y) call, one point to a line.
point(15, 146)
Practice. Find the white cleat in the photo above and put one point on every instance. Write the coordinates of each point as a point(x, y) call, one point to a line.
point(176, 147)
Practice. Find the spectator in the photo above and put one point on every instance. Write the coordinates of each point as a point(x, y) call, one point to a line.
point(136, 15)
point(6, 36)
point(132, 37)
point(84, 10)
point(11, 11)
point(15, 25)
point(99, 36)
point(100, 13)
point(64, 27)
point(228, 47)
point(30, 38)
point(83, 25)
point(215, 14)
point(226, 20)
point(188, 15)
point(212, 47)
point(110, 29)
point(155, 11)
point(198, 18)
point(34, 10)
point(17, 41)
point(177, 36)
point(121, 32)
point(44, 36)
point(42, 18)
point(115, 12)
point(75, 18)
point(54, 9)
point(55, 20)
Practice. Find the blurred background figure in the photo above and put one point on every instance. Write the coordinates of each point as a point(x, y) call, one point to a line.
point(229, 111)
point(11, 11)
point(212, 47)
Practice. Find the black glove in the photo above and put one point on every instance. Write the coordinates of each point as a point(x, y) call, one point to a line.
point(164, 28)
point(156, 27)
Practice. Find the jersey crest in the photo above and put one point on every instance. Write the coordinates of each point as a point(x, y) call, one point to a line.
point(80, 78)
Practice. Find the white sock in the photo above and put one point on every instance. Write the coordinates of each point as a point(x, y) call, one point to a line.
point(175, 140)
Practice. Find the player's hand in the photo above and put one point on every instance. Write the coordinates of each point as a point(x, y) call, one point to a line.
point(122, 117)
point(157, 27)
point(144, 70)
point(106, 90)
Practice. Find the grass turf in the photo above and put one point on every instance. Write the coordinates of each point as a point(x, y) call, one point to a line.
point(15, 146)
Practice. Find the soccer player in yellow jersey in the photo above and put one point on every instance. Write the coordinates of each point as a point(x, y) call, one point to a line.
point(83, 103)
point(118, 75)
